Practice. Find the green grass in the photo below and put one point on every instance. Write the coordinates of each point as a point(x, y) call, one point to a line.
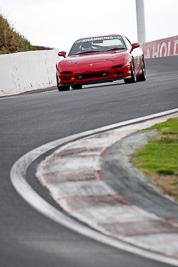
point(10, 40)
point(160, 155)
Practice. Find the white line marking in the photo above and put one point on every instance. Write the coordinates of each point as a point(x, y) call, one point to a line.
point(19, 182)
point(109, 215)
point(73, 166)
point(84, 188)
point(159, 242)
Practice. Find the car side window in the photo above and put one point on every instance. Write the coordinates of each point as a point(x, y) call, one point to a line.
point(128, 43)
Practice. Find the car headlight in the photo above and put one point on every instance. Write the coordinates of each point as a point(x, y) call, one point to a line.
point(65, 63)
point(119, 57)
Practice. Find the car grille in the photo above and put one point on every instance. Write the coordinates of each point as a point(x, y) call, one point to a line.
point(119, 73)
point(92, 75)
point(66, 79)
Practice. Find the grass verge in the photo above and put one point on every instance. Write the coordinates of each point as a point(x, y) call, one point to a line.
point(10, 40)
point(159, 158)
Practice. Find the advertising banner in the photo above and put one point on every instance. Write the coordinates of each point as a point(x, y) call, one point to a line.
point(161, 48)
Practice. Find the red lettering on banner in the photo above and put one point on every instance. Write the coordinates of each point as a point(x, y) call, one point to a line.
point(161, 48)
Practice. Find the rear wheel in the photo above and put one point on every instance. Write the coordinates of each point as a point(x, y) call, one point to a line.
point(61, 88)
point(142, 77)
point(133, 78)
point(77, 86)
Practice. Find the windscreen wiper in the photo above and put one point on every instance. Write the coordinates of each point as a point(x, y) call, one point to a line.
point(119, 48)
point(86, 52)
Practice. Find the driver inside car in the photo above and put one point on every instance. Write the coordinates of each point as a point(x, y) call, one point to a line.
point(86, 46)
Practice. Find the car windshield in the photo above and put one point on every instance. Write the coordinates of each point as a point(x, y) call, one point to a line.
point(97, 44)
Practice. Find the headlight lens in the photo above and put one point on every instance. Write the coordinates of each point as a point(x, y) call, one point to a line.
point(65, 63)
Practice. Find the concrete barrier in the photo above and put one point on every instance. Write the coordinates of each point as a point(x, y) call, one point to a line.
point(161, 48)
point(26, 71)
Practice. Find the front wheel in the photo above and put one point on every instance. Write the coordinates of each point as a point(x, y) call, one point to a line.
point(77, 86)
point(61, 88)
point(133, 78)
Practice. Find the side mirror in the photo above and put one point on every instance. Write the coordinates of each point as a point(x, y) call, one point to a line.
point(62, 54)
point(135, 45)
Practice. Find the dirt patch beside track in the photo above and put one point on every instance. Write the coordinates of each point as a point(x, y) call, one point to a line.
point(168, 183)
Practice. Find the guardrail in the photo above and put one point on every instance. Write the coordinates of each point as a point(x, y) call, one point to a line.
point(27, 71)
point(161, 48)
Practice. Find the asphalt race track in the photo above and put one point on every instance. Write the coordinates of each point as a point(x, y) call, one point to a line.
point(27, 121)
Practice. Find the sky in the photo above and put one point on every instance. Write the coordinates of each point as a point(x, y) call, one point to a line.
point(58, 23)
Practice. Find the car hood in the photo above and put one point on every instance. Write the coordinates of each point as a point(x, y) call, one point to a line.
point(93, 58)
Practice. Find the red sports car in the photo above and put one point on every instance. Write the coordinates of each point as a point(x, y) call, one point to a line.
point(100, 59)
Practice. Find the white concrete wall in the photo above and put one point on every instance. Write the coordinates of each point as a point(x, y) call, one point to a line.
point(26, 71)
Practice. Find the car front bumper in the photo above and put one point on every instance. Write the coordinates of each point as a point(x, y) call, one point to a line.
point(82, 77)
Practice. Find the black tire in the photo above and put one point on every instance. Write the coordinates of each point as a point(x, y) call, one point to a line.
point(77, 86)
point(142, 77)
point(133, 78)
point(61, 88)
